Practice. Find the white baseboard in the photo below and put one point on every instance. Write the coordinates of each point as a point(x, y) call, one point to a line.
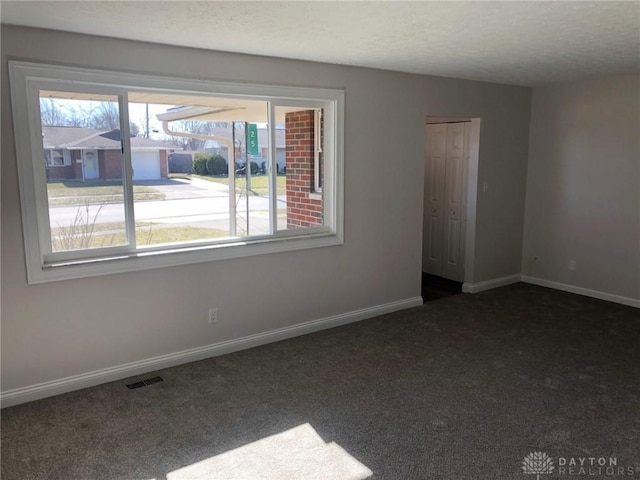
point(89, 379)
point(489, 284)
point(632, 302)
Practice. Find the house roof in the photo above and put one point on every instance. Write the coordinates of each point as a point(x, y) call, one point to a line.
point(84, 138)
point(60, 136)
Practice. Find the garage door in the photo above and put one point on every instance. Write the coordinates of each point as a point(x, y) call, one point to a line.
point(146, 165)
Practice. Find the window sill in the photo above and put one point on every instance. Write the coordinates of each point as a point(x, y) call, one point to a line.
point(67, 270)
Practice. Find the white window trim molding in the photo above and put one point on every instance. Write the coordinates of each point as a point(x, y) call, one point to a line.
point(23, 75)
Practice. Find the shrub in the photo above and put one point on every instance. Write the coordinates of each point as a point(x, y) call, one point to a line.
point(216, 165)
point(255, 169)
point(200, 163)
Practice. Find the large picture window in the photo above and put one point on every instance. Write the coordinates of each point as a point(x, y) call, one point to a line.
point(155, 171)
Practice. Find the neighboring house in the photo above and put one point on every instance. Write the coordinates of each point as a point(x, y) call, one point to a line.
point(78, 153)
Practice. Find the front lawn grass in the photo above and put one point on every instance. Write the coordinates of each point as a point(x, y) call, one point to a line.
point(147, 233)
point(153, 234)
point(102, 227)
point(76, 192)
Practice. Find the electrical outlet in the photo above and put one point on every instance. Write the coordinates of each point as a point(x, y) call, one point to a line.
point(572, 264)
point(213, 315)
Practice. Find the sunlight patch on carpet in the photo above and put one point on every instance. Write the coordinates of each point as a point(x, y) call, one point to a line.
point(295, 454)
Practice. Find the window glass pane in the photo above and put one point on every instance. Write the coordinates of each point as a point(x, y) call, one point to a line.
point(83, 164)
point(300, 131)
point(183, 150)
point(54, 158)
point(252, 178)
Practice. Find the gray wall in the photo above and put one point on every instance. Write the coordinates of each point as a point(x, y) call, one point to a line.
point(59, 329)
point(583, 186)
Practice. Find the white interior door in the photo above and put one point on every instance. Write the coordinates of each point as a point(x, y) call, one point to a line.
point(443, 222)
point(452, 266)
point(434, 203)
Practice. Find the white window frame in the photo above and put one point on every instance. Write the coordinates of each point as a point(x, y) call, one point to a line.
point(27, 79)
point(317, 167)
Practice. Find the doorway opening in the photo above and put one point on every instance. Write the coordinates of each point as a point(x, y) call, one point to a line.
point(449, 208)
point(435, 287)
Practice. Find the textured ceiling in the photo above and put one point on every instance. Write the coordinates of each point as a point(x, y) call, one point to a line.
point(520, 43)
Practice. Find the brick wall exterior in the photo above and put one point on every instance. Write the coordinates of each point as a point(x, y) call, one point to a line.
point(302, 211)
point(61, 173)
point(164, 164)
point(102, 168)
point(76, 161)
point(67, 172)
point(111, 166)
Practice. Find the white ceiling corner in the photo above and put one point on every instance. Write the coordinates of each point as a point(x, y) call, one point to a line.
point(519, 43)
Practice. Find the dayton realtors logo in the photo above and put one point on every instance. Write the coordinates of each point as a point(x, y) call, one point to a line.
point(537, 463)
point(595, 466)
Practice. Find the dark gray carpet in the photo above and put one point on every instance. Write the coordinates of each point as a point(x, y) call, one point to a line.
point(460, 388)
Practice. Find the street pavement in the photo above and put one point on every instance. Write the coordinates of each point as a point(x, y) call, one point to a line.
point(192, 202)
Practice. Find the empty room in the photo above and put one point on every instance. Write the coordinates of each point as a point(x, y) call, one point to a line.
point(320, 240)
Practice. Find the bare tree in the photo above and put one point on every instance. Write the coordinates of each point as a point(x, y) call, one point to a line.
point(100, 116)
point(51, 114)
point(105, 117)
point(78, 117)
point(193, 127)
point(134, 129)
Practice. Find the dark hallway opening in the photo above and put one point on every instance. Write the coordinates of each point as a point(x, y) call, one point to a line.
point(435, 288)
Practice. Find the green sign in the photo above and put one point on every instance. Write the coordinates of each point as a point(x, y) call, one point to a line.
point(252, 139)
